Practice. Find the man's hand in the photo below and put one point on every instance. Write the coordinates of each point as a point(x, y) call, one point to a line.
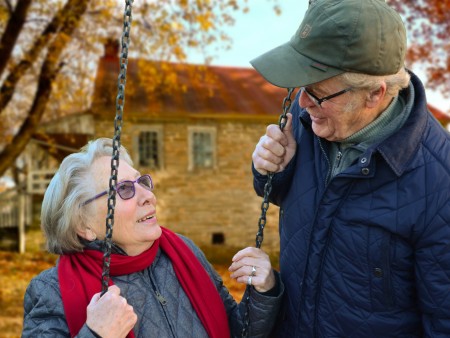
point(275, 149)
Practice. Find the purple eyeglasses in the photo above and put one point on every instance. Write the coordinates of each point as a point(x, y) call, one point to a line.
point(126, 189)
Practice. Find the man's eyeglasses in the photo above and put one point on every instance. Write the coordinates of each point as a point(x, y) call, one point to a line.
point(318, 101)
point(126, 189)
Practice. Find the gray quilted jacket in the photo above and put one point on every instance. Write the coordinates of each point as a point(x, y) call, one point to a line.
point(162, 307)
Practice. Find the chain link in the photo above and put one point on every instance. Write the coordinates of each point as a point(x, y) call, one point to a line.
point(264, 207)
point(120, 102)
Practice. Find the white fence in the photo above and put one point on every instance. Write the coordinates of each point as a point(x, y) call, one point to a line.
point(38, 180)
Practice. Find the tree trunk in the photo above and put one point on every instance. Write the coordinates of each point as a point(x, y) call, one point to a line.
point(49, 70)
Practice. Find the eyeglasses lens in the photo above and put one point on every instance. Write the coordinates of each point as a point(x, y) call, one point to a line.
point(125, 189)
point(146, 182)
point(311, 97)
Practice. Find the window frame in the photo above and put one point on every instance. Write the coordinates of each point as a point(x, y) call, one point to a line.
point(158, 129)
point(212, 131)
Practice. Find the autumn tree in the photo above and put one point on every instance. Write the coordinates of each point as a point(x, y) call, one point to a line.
point(48, 52)
point(428, 24)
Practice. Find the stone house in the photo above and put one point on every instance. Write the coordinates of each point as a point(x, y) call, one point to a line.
point(195, 140)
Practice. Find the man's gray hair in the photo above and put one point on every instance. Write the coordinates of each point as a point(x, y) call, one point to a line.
point(61, 214)
point(394, 83)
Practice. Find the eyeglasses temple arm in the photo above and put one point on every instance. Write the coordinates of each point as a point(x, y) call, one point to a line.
point(94, 198)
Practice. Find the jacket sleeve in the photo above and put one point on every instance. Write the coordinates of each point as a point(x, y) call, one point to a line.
point(263, 308)
point(433, 266)
point(280, 183)
point(44, 312)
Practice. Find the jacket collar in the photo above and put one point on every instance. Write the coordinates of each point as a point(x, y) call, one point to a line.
point(399, 148)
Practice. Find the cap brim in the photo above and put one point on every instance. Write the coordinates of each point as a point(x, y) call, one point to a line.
point(285, 67)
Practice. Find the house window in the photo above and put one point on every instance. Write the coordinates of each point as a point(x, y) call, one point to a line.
point(149, 148)
point(202, 144)
point(202, 150)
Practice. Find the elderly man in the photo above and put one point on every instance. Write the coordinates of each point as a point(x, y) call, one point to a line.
point(362, 179)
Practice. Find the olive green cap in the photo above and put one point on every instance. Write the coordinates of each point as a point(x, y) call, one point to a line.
point(337, 36)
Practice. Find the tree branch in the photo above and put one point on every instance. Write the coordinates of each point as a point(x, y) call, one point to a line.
point(16, 73)
point(12, 31)
point(49, 70)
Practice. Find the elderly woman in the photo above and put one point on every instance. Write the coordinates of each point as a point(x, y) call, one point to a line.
point(161, 283)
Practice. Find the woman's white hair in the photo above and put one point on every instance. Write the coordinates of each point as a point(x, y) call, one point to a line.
point(61, 213)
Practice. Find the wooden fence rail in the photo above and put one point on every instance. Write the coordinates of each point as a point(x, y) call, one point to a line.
point(9, 208)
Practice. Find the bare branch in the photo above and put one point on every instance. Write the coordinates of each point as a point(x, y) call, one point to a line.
point(12, 31)
point(17, 71)
point(49, 71)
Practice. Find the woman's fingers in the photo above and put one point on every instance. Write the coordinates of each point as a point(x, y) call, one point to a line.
point(110, 315)
point(252, 266)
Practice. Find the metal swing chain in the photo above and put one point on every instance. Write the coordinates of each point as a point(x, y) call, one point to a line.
point(120, 102)
point(264, 207)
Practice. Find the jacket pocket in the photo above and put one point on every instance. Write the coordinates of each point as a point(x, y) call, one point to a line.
point(380, 277)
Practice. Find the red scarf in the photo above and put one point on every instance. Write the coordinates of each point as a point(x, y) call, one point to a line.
point(80, 278)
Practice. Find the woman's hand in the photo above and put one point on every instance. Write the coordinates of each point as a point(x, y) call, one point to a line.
point(252, 266)
point(275, 149)
point(110, 315)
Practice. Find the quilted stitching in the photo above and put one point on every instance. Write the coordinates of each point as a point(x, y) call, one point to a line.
point(367, 256)
point(44, 314)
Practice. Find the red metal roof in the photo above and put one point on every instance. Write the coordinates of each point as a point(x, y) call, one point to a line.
point(200, 91)
point(440, 115)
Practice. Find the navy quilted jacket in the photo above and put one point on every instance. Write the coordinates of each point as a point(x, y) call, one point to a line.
point(367, 253)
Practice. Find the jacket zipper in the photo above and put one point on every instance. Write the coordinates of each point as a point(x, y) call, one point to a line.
point(162, 301)
point(159, 296)
point(338, 158)
point(328, 161)
point(337, 162)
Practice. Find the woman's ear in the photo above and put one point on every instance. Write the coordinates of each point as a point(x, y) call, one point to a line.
point(87, 233)
point(376, 97)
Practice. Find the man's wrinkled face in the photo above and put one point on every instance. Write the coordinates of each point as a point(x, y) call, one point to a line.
point(338, 117)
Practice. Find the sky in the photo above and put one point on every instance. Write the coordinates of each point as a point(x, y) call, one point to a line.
point(260, 30)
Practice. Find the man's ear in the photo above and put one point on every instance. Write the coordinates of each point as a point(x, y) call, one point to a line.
point(87, 233)
point(376, 97)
